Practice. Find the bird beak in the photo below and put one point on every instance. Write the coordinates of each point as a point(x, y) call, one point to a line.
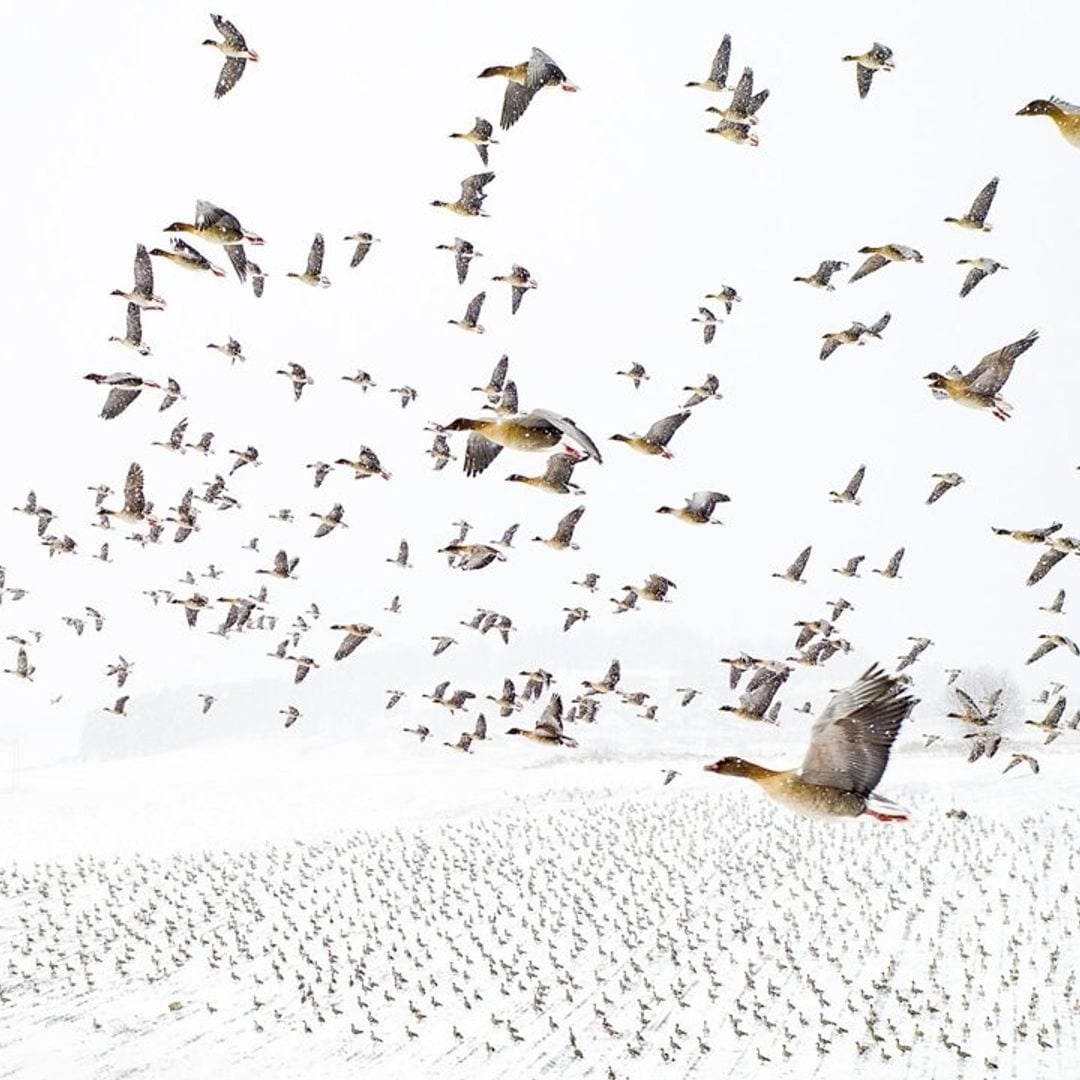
point(712, 767)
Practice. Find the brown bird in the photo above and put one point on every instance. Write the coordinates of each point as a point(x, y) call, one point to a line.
point(849, 750)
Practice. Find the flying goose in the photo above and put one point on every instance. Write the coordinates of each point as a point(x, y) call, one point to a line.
point(981, 387)
point(524, 81)
point(655, 440)
point(975, 218)
point(480, 136)
point(313, 274)
point(877, 58)
point(236, 53)
point(848, 753)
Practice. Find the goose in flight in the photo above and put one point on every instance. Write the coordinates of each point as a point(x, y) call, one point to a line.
point(795, 571)
point(849, 750)
point(313, 274)
point(975, 218)
point(820, 278)
point(877, 58)
point(945, 482)
point(480, 136)
point(877, 257)
point(656, 439)
point(142, 293)
point(524, 81)
point(850, 494)
point(563, 537)
point(698, 509)
point(980, 268)
point(540, 429)
point(718, 73)
point(236, 53)
point(549, 728)
point(981, 387)
point(471, 199)
point(464, 253)
point(218, 226)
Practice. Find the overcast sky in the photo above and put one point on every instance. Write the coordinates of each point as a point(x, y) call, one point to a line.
point(627, 213)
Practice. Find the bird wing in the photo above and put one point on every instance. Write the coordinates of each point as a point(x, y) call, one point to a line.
point(981, 206)
point(974, 276)
point(864, 76)
point(498, 373)
point(854, 483)
point(704, 502)
point(238, 259)
point(315, 256)
point(551, 719)
point(472, 312)
point(743, 90)
point(119, 399)
point(515, 101)
point(231, 71)
point(894, 562)
point(472, 187)
point(752, 107)
point(799, 565)
point(229, 32)
point(830, 345)
point(362, 248)
point(874, 262)
point(144, 272)
point(539, 417)
point(480, 452)
point(1047, 561)
point(542, 70)
point(134, 499)
point(721, 61)
point(560, 468)
point(876, 328)
point(348, 645)
point(662, 431)
point(1043, 648)
point(758, 697)
point(516, 293)
point(462, 258)
point(564, 531)
point(989, 375)
point(134, 323)
point(850, 741)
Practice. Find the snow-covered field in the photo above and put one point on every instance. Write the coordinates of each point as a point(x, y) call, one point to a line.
point(407, 911)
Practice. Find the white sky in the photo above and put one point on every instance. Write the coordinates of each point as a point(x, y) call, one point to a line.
point(627, 214)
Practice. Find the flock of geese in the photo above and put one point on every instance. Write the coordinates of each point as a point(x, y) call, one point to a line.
point(851, 740)
point(348, 965)
point(589, 937)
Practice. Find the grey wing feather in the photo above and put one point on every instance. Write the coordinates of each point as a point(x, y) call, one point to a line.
point(565, 529)
point(981, 206)
point(990, 374)
point(231, 71)
point(721, 61)
point(480, 452)
point(515, 101)
point(472, 313)
point(872, 263)
point(662, 431)
point(851, 740)
point(144, 271)
point(118, 400)
point(315, 256)
point(864, 76)
point(1047, 561)
point(567, 426)
point(974, 276)
point(238, 258)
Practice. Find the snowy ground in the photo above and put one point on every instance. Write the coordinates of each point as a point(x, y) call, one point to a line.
point(409, 912)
